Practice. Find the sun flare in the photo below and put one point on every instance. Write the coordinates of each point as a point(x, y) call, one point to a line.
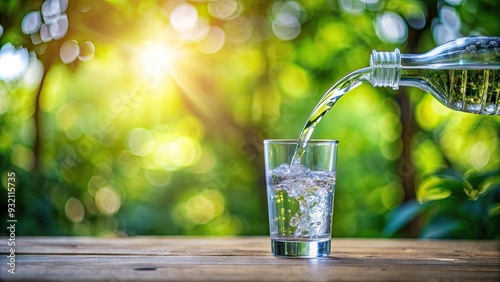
point(159, 56)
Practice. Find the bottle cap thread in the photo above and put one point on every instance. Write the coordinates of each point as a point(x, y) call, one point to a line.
point(386, 68)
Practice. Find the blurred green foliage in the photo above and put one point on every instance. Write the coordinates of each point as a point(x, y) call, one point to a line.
point(147, 117)
point(451, 205)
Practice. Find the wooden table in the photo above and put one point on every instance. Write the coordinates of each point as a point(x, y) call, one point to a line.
point(245, 259)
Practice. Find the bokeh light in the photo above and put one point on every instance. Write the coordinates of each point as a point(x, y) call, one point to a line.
point(224, 9)
point(107, 200)
point(213, 42)
point(23, 157)
point(13, 62)
point(172, 152)
point(447, 26)
point(59, 28)
point(416, 16)
point(140, 142)
point(391, 28)
point(87, 50)
point(33, 74)
point(32, 22)
point(201, 208)
point(186, 23)
point(288, 17)
point(74, 210)
point(69, 51)
point(352, 6)
point(53, 9)
point(238, 30)
point(454, 2)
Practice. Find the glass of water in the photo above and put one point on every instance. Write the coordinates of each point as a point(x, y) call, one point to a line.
point(300, 196)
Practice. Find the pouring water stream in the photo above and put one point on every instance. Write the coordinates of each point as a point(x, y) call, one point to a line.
point(346, 84)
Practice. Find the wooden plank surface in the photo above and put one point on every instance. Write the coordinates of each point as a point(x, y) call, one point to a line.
point(246, 259)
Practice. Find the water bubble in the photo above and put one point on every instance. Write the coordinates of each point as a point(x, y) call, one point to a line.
point(489, 109)
point(294, 221)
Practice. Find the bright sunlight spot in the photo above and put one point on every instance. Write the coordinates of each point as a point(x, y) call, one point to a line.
point(159, 57)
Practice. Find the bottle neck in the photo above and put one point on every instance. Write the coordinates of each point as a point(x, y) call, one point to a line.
point(393, 69)
point(386, 69)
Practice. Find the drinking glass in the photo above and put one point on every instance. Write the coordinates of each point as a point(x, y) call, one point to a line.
point(300, 196)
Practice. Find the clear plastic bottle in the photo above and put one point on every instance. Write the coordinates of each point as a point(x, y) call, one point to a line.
point(463, 74)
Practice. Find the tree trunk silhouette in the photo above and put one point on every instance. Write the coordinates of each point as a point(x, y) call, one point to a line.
point(37, 146)
point(406, 169)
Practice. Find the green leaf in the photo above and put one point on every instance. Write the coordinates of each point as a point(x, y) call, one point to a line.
point(489, 184)
point(446, 173)
point(402, 215)
point(434, 188)
point(481, 183)
point(470, 191)
point(475, 177)
point(494, 210)
point(441, 227)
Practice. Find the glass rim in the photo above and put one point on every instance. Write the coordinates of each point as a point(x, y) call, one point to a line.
point(295, 141)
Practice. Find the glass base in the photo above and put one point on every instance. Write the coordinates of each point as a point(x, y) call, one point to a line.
point(300, 249)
